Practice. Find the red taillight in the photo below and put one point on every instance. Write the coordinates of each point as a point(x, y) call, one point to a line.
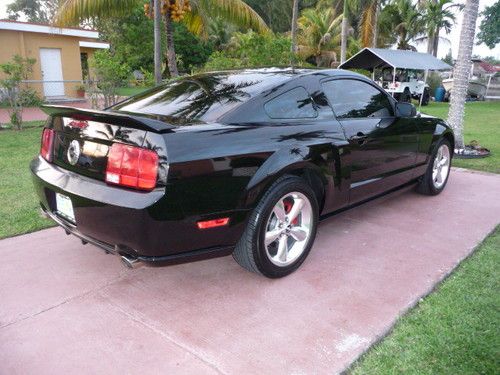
point(47, 142)
point(132, 166)
point(213, 223)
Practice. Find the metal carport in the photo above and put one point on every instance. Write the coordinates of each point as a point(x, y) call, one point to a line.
point(379, 58)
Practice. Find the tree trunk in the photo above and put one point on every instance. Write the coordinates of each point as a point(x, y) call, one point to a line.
point(430, 42)
point(461, 71)
point(171, 58)
point(343, 35)
point(157, 41)
point(295, 15)
point(375, 24)
point(436, 43)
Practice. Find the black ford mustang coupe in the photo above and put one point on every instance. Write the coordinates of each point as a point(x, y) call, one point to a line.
point(243, 163)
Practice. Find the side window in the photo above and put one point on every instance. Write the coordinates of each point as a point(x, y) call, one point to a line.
point(351, 98)
point(295, 103)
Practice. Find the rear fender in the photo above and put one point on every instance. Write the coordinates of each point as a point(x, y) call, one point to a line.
point(294, 160)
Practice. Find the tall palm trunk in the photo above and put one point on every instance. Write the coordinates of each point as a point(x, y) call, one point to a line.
point(375, 24)
point(171, 58)
point(343, 34)
point(295, 16)
point(157, 41)
point(430, 43)
point(461, 71)
point(435, 44)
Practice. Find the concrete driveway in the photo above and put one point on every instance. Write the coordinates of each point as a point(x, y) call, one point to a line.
point(66, 308)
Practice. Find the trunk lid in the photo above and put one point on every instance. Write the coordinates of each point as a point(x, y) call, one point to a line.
point(83, 137)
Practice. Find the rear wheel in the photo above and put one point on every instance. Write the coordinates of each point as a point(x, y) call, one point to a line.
point(436, 176)
point(281, 229)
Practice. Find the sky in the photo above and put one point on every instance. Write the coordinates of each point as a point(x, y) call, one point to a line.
point(444, 46)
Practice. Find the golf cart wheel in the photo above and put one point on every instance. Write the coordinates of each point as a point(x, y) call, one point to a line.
point(426, 96)
point(405, 96)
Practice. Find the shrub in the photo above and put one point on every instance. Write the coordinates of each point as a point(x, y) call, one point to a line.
point(252, 50)
point(14, 72)
point(110, 74)
point(434, 81)
point(28, 97)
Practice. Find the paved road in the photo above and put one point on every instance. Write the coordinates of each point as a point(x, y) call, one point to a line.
point(66, 308)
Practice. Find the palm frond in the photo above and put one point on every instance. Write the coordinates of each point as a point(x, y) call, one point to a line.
point(72, 12)
point(234, 11)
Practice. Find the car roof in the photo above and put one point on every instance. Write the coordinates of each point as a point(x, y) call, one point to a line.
point(280, 74)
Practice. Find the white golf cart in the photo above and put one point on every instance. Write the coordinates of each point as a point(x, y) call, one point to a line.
point(400, 72)
point(407, 84)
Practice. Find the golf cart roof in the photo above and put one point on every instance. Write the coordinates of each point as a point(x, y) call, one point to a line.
point(378, 58)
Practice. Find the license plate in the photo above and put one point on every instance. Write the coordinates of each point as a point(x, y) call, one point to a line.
point(65, 207)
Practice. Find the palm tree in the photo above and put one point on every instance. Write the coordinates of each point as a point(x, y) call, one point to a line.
point(197, 18)
point(157, 42)
point(295, 16)
point(402, 22)
point(319, 31)
point(343, 32)
point(462, 70)
point(438, 14)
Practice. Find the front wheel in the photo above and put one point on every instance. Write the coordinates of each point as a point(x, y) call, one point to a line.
point(281, 229)
point(436, 176)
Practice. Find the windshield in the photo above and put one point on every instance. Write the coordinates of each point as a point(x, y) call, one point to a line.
point(199, 98)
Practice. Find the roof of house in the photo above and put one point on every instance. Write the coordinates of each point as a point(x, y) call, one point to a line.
point(371, 58)
point(47, 29)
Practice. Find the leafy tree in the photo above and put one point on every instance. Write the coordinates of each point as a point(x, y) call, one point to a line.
point(252, 50)
point(110, 73)
point(196, 14)
point(15, 71)
point(33, 10)
point(131, 39)
point(489, 28)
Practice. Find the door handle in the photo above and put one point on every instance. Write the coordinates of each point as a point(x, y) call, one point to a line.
point(360, 138)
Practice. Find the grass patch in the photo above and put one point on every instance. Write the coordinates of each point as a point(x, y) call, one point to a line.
point(482, 123)
point(455, 330)
point(18, 203)
point(130, 91)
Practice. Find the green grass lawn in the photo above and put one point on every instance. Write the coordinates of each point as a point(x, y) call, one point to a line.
point(455, 330)
point(18, 204)
point(482, 123)
point(130, 91)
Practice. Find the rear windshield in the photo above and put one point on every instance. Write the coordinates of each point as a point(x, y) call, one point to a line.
point(199, 98)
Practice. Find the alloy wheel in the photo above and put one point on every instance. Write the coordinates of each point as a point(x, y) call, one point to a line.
point(441, 166)
point(288, 229)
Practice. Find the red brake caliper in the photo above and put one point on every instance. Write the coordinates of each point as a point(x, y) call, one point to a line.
point(288, 207)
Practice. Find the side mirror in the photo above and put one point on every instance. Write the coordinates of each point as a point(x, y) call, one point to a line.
point(405, 110)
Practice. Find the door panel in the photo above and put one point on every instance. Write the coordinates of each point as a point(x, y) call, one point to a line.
point(52, 75)
point(382, 147)
point(383, 157)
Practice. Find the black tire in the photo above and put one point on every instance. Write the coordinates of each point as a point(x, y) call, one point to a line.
point(426, 96)
point(250, 252)
point(426, 184)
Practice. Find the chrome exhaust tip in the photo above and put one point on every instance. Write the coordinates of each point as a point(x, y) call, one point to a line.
point(130, 262)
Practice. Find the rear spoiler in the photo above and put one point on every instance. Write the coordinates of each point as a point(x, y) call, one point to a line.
point(145, 122)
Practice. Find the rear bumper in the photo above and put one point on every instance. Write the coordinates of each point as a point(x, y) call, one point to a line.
point(142, 225)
